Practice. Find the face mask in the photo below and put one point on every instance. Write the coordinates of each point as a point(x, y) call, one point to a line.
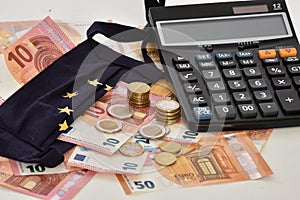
point(33, 117)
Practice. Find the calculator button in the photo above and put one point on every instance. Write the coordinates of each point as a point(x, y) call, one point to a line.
point(216, 86)
point(268, 109)
point(242, 97)
point(207, 65)
point(211, 74)
point(263, 96)
point(281, 83)
point(291, 60)
point(275, 71)
point(188, 76)
point(223, 56)
point(252, 72)
point(237, 85)
point(192, 88)
point(267, 53)
point(247, 110)
point(225, 111)
point(287, 52)
point(208, 47)
point(294, 69)
point(227, 64)
point(257, 84)
point(244, 55)
point(289, 101)
point(197, 99)
point(247, 63)
point(179, 59)
point(202, 57)
point(221, 98)
point(183, 67)
point(271, 61)
point(230, 74)
point(202, 113)
point(296, 80)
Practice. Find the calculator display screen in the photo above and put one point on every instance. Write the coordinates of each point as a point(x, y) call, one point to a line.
point(221, 30)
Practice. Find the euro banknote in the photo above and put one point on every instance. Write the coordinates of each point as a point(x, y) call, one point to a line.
point(31, 54)
point(116, 164)
point(233, 158)
point(50, 186)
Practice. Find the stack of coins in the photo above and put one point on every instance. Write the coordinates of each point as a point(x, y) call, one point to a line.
point(168, 111)
point(138, 94)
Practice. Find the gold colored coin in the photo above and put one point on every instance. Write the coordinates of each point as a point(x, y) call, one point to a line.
point(170, 117)
point(131, 149)
point(167, 114)
point(108, 125)
point(168, 121)
point(165, 158)
point(139, 105)
point(170, 147)
point(138, 87)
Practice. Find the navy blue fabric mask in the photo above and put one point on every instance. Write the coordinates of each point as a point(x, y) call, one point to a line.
point(33, 117)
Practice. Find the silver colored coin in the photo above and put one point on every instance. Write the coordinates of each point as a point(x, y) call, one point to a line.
point(152, 131)
point(108, 125)
point(120, 111)
point(167, 105)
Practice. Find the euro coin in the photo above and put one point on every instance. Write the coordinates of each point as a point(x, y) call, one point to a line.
point(167, 106)
point(108, 125)
point(170, 147)
point(131, 149)
point(138, 88)
point(139, 105)
point(170, 117)
point(167, 121)
point(120, 111)
point(152, 131)
point(165, 158)
point(168, 114)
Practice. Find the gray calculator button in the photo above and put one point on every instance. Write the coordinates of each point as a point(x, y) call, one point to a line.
point(211, 74)
point(216, 86)
point(225, 111)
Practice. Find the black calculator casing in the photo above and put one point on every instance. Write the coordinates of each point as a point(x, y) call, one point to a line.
point(238, 122)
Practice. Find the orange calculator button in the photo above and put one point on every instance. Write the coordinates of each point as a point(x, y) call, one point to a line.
point(267, 53)
point(287, 52)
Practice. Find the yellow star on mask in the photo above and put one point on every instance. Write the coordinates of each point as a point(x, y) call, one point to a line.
point(70, 95)
point(64, 126)
point(65, 110)
point(108, 87)
point(94, 82)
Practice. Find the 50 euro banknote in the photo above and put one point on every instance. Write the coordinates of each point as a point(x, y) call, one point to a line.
point(233, 158)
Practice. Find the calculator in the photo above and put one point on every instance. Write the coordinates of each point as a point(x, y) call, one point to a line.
point(233, 65)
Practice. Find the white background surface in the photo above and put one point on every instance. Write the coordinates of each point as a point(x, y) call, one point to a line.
point(280, 152)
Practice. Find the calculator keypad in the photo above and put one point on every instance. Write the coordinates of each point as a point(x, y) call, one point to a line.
point(242, 85)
